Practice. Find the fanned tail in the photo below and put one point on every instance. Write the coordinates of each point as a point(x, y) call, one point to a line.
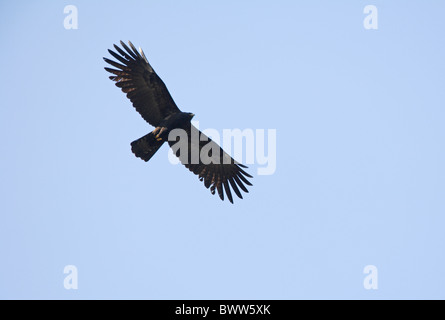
point(146, 146)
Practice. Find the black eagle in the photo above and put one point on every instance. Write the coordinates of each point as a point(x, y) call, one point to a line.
point(150, 97)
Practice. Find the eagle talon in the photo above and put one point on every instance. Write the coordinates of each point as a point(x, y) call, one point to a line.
point(158, 131)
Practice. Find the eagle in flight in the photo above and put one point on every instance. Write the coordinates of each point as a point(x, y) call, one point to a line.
point(150, 97)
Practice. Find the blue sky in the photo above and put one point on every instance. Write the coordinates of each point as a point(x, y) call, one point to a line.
point(359, 116)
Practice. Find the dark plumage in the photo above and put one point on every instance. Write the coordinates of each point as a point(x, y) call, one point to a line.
point(150, 97)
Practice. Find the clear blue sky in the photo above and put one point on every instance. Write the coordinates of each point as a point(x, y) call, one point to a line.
point(360, 176)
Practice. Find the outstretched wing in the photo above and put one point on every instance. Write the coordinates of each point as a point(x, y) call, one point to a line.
point(136, 78)
point(211, 164)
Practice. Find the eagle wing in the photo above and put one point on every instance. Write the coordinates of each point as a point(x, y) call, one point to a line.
point(134, 75)
point(219, 171)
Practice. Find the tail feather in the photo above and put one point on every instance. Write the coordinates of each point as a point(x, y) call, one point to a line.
point(146, 146)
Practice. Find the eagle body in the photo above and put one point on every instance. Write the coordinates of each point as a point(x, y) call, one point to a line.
point(147, 146)
point(180, 120)
point(133, 74)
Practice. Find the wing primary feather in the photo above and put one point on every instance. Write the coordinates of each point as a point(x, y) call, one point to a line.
point(115, 64)
point(209, 179)
point(224, 181)
point(118, 57)
point(235, 188)
point(220, 190)
point(143, 55)
point(125, 84)
point(240, 184)
point(134, 50)
point(123, 53)
point(116, 72)
point(244, 179)
point(131, 53)
point(245, 173)
point(228, 192)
